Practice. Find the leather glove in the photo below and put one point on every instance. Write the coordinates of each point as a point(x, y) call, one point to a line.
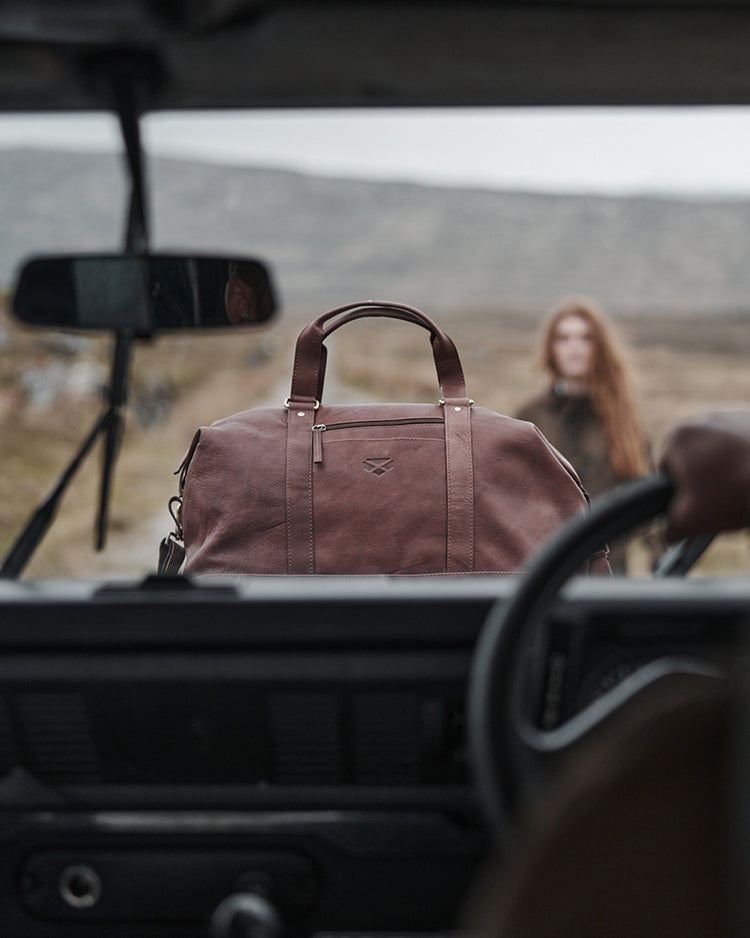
point(708, 461)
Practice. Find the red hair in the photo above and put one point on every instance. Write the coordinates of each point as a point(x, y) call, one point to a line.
point(609, 385)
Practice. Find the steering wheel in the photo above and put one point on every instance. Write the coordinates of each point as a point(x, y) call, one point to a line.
point(505, 744)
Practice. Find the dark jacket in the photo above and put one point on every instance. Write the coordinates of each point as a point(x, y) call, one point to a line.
point(571, 425)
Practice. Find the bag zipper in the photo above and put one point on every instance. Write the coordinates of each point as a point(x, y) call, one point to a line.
point(319, 428)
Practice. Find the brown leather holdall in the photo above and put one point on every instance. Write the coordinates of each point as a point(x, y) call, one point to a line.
point(369, 488)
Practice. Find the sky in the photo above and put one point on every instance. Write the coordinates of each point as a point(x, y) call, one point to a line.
point(687, 151)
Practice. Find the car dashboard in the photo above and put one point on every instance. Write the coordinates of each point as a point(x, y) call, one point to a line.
point(167, 744)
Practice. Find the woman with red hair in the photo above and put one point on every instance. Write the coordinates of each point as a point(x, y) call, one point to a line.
point(589, 411)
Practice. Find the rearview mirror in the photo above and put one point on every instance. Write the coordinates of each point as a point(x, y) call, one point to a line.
point(143, 294)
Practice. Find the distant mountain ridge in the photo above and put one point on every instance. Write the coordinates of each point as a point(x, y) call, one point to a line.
point(330, 241)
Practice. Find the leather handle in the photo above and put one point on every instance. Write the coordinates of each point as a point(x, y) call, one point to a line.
point(310, 354)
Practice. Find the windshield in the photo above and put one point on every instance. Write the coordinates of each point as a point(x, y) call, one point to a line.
point(483, 219)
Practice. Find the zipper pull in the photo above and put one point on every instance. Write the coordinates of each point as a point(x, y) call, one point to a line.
point(318, 442)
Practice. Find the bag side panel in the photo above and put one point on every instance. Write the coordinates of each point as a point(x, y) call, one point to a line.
point(233, 502)
point(523, 491)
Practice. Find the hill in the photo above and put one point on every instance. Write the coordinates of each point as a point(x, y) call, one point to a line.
point(330, 241)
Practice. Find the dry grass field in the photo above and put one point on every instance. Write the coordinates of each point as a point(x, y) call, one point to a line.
point(680, 368)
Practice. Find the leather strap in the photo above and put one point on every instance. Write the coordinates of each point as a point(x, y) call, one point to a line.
point(459, 473)
point(299, 516)
point(171, 556)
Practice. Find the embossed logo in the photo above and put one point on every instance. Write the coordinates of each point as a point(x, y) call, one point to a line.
point(378, 467)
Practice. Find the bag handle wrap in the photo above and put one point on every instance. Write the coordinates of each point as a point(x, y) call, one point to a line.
point(308, 374)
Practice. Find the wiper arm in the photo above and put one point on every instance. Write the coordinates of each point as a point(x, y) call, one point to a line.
point(109, 423)
point(113, 427)
point(19, 554)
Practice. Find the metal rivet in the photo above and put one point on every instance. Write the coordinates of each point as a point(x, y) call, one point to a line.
point(457, 409)
point(300, 413)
